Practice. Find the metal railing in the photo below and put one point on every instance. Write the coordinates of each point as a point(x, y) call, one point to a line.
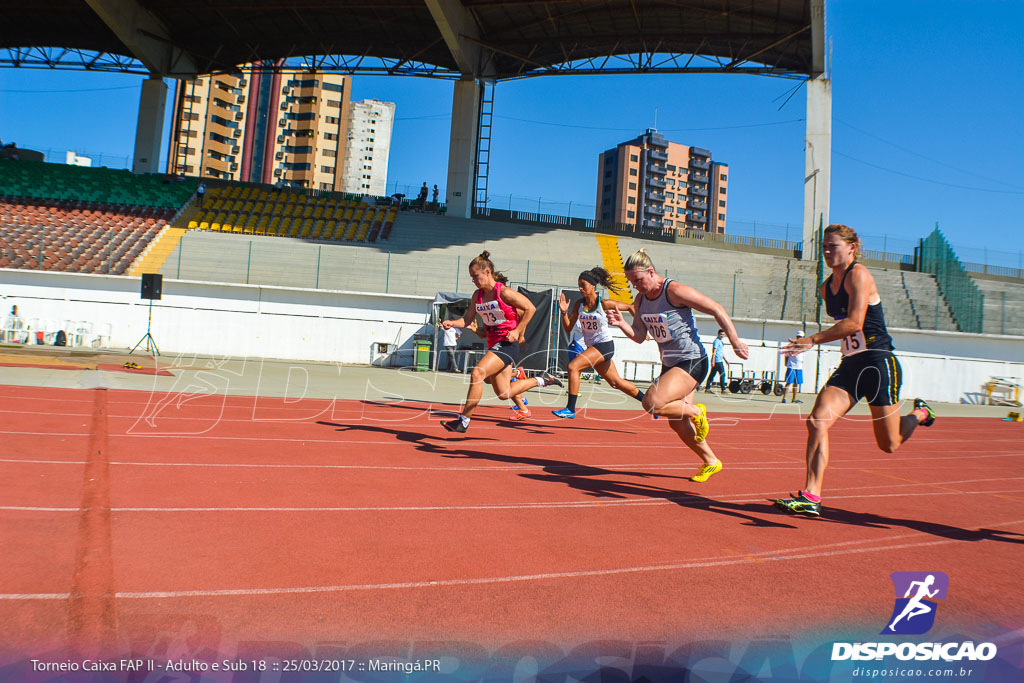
point(966, 301)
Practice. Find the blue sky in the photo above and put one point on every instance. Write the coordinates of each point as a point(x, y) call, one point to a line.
point(927, 102)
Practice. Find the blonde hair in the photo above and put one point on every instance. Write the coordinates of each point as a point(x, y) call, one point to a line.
point(639, 261)
point(845, 233)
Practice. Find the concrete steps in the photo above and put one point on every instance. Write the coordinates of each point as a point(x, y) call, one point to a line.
point(428, 253)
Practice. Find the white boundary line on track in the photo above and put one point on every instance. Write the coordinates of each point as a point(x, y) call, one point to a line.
point(487, 441)
point(631, 502)
point(746, 558)
point(612, 469)
point(849, 464)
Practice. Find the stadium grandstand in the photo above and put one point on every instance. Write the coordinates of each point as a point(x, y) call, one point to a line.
point(73, 219)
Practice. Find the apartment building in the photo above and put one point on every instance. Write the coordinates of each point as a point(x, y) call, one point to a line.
point(652, 182)
point(369, 146)
point(287, 128)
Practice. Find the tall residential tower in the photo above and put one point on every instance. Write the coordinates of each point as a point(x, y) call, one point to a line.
point(288, 128)
point(652, 182)
point(369, 145)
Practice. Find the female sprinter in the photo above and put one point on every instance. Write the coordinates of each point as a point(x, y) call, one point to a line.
point(505, 313)
point(868, 369)
point(664, 308)
point(590, 312)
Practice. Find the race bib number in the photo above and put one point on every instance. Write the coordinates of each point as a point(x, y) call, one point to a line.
point(853, 344)
point(657, 326)
point(491, 313)
point(589, 323)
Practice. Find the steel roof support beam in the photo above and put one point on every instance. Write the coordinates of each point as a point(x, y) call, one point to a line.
point(146, 37)
point(459, 29)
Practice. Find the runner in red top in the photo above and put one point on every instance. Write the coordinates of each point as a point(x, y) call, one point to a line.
point(505, 314)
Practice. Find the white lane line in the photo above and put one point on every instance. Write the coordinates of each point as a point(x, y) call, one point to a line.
point(778, 555)
point(765, 553)
point(681, 498)
point(774, 557)
point(770, 465)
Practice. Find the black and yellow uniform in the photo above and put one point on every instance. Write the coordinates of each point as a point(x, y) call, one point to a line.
point(869, 369)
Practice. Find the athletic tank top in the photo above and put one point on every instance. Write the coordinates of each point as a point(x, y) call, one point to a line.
point(499, 318)
point(873, 336)
point(671, 326)
point(594, 324)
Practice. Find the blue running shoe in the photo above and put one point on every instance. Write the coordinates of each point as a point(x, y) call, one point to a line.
point(566, 413)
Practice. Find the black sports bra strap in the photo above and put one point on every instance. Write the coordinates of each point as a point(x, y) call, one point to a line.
point(843, 281)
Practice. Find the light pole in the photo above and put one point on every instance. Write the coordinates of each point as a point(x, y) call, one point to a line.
point(733, 311)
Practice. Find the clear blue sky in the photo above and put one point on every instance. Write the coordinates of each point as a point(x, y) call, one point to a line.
point(927, 103)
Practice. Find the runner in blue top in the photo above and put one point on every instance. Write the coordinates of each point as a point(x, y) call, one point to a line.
point(664, 309)
point(591, 314)
point(869, 368)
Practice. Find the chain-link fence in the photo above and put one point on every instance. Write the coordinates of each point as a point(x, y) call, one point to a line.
point(965, 300)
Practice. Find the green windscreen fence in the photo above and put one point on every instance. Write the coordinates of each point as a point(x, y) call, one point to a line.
point(965, 299)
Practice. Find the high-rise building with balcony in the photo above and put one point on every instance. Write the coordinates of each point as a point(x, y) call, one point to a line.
point(369, 145)
point(652, 182)
point(289, 128)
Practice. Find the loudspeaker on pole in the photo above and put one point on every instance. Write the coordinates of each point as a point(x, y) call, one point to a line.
point(152, 286)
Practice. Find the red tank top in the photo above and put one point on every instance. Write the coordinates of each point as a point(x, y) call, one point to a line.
point(499, 318)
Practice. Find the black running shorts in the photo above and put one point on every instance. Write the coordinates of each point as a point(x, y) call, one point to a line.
point(507, 351)
point(872, 375)
point(694, 367)
point(606, 349)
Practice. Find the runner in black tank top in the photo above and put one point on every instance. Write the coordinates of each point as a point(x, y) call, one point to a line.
point(869, 368)
point(837, 305)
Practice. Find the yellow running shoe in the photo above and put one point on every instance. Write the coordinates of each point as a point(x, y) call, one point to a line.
point(705, 472)
point(700, 423)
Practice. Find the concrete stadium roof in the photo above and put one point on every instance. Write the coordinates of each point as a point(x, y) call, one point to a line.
point(493, 39)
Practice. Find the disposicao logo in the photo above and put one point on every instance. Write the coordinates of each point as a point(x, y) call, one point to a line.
point(914, 612)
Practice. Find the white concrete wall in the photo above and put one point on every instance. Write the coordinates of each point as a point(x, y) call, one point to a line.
point(317, 325)
point(955, 376)
point(225, 319)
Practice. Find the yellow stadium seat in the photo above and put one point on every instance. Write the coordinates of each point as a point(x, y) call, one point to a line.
point(215, 226)
point(192, 225)
point(204, 226)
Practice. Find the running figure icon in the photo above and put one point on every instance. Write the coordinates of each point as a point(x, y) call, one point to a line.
point(916, 606)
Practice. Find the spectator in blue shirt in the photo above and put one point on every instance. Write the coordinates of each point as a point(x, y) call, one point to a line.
point(717, 362)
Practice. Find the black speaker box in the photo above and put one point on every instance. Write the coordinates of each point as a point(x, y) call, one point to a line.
point(152, 286)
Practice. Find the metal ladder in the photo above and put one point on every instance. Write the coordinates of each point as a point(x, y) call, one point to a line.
point(483, 145)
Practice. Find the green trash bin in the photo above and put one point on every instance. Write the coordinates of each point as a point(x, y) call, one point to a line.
point(423, 348)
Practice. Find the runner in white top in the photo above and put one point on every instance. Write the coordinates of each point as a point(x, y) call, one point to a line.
point(591, 312)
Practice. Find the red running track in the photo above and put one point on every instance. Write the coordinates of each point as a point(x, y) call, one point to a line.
point(225, 519)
